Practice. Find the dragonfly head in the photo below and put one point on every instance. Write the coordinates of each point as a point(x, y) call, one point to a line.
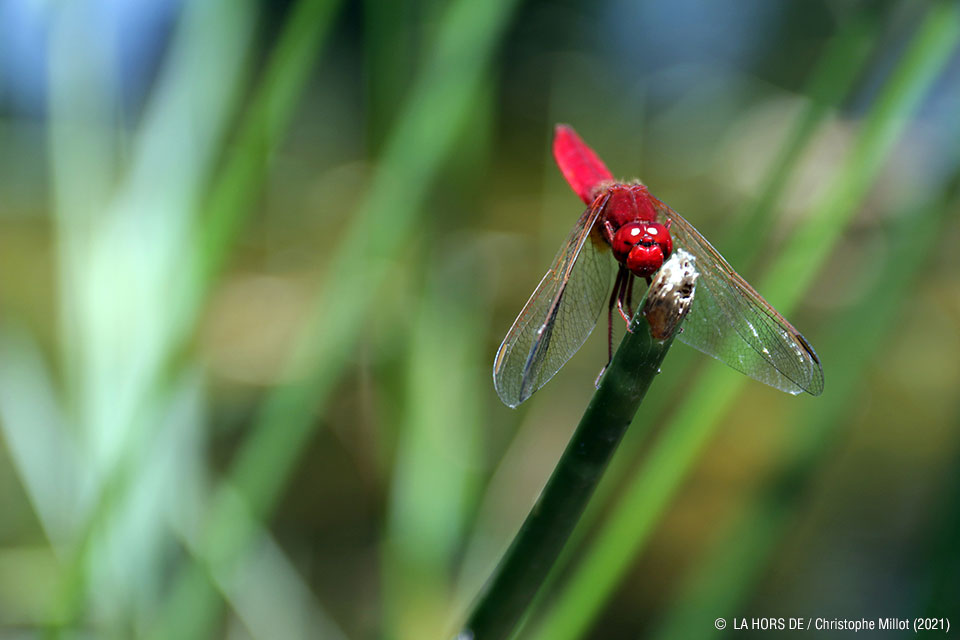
point(642, 247)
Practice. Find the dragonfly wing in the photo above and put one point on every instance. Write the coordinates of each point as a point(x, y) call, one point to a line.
point(730, 321)
point(559, 315)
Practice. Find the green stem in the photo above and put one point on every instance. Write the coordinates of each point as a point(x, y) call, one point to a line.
point(553, 518)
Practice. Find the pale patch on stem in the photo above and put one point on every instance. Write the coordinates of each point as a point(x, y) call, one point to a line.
point(670, 296)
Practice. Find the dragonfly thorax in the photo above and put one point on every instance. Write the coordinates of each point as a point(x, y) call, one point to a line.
point(628, 203)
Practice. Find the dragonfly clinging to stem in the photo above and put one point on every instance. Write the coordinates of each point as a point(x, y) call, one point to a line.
point(728, 320)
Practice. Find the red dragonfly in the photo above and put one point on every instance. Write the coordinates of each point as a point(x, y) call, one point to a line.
point(729, 320)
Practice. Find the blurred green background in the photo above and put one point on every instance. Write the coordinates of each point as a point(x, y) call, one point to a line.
point(256, 258)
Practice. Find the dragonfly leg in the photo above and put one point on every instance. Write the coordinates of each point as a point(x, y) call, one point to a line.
point(596, 382)
point(620, 290)
point(630, 278)
point(608, 231)
point(614, 298)
point(609, 340)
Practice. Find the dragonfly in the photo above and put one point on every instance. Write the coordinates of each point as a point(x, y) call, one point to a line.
point(728, 319)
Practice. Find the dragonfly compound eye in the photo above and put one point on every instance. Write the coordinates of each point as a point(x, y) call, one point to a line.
point(645, 258)
point(659, 234)
point(626, 238)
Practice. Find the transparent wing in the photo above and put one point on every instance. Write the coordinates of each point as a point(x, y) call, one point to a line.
point(559, 315)
point(733, 323)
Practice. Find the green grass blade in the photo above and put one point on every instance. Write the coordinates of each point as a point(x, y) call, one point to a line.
point(636, 513)
point(266, 591)
point(829, 85)
point(82, 151)
point(36, 435)
point(740, 555)
point(390, 52)
point(435, 473)
point(233, 189)
point(114, 275)
point(412, 157)
point(923, 61)
point(263, 128)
